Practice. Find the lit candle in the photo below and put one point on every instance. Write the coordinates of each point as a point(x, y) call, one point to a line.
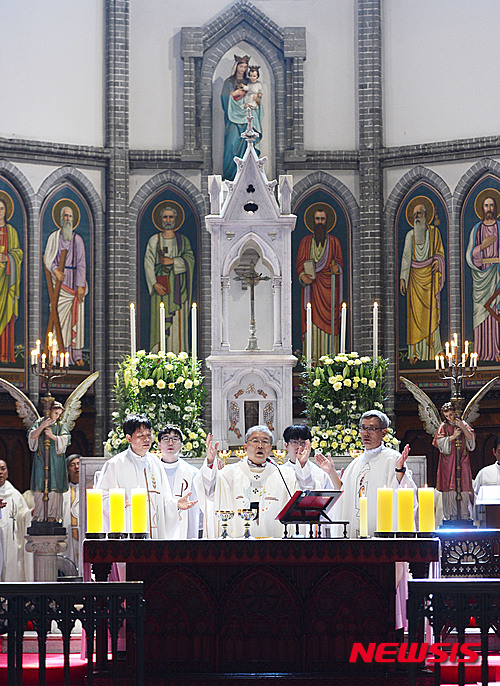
point(405, 509)
point(308, 334)
point(426, 519)
point(384, 509)
point(162, 327)
point(54, 350)
point(66, 359)
point(33, 358)
point(50, 339)
point(447, 348)
point(437, 361)
point(442, 361)
point(139, 517)
point(455, 339)
point(363, 516)
point(117, 510)
point(375, 330)
point(133, 344)
point(464, 359)
point(466, 347)
point(44, 357)
point(343, 326)
point(61, 360)
point(94, 510)
point(38, 346)
point(194, 331)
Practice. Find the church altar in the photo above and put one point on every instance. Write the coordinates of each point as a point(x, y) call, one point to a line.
point(216, 608)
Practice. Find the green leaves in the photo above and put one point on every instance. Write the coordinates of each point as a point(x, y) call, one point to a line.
point(336, 392)
point(168, 389)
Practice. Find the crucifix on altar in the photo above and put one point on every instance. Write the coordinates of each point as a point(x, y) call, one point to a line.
point(249, 277)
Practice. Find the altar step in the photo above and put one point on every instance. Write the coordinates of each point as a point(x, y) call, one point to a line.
point(54, 643)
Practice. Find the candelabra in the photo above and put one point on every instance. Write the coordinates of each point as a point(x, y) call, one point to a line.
point(45, 366)
point(457, 367)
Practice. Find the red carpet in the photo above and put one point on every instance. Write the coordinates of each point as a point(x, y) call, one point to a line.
point(449, 672)
point(55, 669)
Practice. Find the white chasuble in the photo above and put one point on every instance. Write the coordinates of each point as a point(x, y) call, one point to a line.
point(239, 484)
point(18, 564)
point(362, 477)
point(180, 476)
point(128, 470)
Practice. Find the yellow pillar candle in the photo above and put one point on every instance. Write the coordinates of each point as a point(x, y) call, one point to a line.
point(94, 510)
point(363, 516)
point(405, 509)
point(139, 517)
point(116, 510)
point(384, 509)
point(426, 518)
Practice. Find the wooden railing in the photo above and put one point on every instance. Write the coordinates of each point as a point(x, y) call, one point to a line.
point(98, 606)
point(449, 604)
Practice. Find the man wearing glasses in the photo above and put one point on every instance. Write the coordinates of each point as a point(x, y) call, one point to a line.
point(180, 475)
point(256, 479)
point(377, 467)
point(136, 467)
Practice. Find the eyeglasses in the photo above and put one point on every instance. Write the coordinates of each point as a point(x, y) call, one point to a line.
point(170, 439)
point(370, 429)
point(263, 441)
point(296, 443)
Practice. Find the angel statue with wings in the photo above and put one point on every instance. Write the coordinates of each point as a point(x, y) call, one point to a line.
point(48, 438)
point(455, 439)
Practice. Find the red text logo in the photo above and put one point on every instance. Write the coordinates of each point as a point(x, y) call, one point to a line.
point(415, 652)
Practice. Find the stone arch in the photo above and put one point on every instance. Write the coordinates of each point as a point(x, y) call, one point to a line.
point(471, 176)
point(320, 180)
point(74, 177)
point(412, 178)
point(243, 22)
point(242, 243)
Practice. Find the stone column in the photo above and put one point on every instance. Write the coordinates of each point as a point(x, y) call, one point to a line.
point(45, 549)
point(278, 342)
point(370, 173)
point(121, 239)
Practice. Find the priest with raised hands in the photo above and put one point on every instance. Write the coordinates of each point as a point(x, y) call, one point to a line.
point(255, 482)
point(136, 467)
point(320, 475)
point(377, 467)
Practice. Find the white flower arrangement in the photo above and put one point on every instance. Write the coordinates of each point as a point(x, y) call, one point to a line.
point(165, 387)
point(337, 391)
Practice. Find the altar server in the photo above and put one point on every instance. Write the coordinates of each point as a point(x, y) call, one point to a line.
point(136, 467)
point(15, 519)
point(180, 475)
point(255, 479)
point(71, 510)
point(320, 476)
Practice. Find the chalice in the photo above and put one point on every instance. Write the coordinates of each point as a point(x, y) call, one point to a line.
point(241, 453)
point(279, 455)
point(247, 516)
point(224, 455)
point(225, 517)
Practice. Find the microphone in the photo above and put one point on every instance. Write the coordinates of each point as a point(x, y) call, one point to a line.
point(268, 459)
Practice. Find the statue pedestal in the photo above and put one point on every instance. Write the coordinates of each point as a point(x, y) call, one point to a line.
point(45, 549)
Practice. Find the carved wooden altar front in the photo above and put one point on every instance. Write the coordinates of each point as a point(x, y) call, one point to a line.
point(261, 607)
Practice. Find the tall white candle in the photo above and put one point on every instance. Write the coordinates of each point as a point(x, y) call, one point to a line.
point(194, 331)
point(308, 334)
point(375, 330)
point(133, 343)
point(162, 327)
point(343, 326)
